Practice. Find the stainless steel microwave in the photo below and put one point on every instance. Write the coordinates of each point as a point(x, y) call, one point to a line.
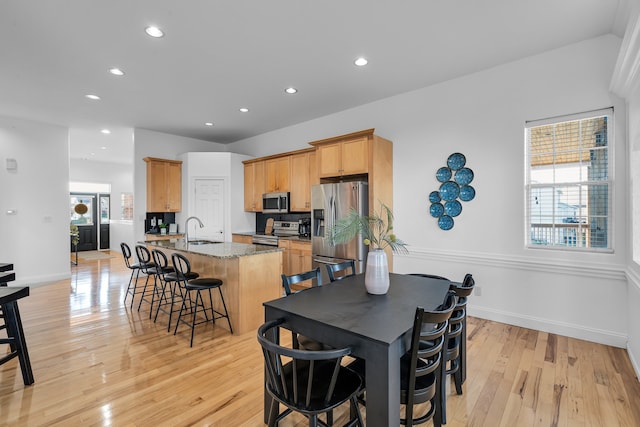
point(275, 203)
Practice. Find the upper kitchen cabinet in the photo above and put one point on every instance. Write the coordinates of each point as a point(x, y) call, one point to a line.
point(164, 185)
point(278, 174)
point(343, 157)
point(303, 175)
point(361, 154)
point(254, 185)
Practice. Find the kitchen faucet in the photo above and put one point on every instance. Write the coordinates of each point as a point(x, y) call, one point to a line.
point(186, 227)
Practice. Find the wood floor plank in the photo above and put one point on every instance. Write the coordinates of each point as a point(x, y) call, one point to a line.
point(96, 362)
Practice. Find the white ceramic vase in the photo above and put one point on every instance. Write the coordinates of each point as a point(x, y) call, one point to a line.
point(376, 278)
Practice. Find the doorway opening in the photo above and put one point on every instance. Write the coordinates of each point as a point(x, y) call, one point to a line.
point(89, 210)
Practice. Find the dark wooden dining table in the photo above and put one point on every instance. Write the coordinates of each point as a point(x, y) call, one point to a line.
point(375, 327)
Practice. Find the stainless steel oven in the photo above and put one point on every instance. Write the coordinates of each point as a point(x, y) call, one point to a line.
point(275, 203)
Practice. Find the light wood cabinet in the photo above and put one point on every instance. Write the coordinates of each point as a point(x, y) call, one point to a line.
point(164, 185)
point(296, 259)
point(254, 186)
point(348, 157)
point(278, 174)
point(241, 238)
point(303, 176)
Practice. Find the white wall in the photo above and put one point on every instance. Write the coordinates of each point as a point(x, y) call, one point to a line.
point(483, 116)
point(36, 239)
point(155, 144)
point(120, 177)
point(225, 166)
point(626, 82)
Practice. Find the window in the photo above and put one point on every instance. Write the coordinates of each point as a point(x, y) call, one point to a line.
point(568, 184)
point(126, 203)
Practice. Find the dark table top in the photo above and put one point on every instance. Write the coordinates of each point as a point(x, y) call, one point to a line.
point(12, 293)
point(346, 305)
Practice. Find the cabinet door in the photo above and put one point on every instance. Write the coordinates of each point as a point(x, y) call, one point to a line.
point(156, 187)
point(286, 270)
point(277, 173)
point(329, 160)
point(253, 186)
point(241, 238)
point(313, 172)
point(249, 201)
point(174, 186)
point(300, 187)
point(355, 159)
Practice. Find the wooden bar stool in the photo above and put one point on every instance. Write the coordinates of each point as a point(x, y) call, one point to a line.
point(189, 283)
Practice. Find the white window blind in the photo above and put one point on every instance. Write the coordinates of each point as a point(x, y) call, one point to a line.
point(568, 183)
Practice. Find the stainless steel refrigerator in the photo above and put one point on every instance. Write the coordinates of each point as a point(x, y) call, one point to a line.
point(329, 204)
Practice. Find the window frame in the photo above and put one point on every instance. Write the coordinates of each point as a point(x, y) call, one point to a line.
point(609, 182)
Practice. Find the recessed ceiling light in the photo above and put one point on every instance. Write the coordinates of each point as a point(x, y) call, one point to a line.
point(93, 97)
point(154, 31)
point(244, 110)
point(93, 154)
point(291, 90)
point(103, 148)
point(360, 62)
point(208, 124)
point(106, 131)
point(116, 72)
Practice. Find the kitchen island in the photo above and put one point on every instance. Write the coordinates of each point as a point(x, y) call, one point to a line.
point(251, 275)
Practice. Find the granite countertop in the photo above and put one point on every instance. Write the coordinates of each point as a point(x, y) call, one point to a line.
point(216, 250)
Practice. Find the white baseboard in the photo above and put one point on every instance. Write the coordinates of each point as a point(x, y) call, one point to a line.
point(565, 329)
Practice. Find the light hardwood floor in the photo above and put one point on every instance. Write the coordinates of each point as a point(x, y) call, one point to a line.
point(97, 363)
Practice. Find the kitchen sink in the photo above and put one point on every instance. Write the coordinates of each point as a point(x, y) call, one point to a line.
point(201, 242)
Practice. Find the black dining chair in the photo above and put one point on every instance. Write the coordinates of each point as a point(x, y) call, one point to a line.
point(301, 341)
point(455, 352)
point(190, 284)
point(421, 368)
point(307, 382)
point(341, 270)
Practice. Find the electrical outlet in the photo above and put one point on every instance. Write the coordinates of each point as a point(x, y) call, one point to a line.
point(477, 291)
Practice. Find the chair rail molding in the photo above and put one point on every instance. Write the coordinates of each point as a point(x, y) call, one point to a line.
point(576, 268)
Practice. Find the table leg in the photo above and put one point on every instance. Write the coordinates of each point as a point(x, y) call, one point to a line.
point(14, 331)
point(383, 386)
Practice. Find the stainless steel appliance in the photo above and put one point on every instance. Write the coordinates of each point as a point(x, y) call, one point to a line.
point(329, 204)
point(280, 229)
point(275, 203)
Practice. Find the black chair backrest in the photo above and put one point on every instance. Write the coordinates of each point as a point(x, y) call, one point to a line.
point(126, 253)
point(465, 289)
point(144, 257)
point(428, 337)
point(160, 259)
point(300, 379)
point(287, 281)
point(342, 267)
point(182, 265)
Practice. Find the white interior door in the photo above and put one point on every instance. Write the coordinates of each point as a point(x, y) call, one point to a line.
point(209, 208)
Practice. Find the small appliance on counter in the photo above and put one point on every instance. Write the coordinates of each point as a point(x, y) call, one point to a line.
point(304, 227)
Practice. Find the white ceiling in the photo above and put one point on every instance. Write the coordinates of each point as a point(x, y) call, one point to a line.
point(218, 56)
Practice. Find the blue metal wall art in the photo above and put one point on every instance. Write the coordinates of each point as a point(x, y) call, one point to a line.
point(455, 180)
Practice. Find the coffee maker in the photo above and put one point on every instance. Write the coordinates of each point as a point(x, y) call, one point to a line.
point(304, 227)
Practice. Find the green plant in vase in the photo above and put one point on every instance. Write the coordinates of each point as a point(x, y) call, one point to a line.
point(377, 233)
point(376, 230)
